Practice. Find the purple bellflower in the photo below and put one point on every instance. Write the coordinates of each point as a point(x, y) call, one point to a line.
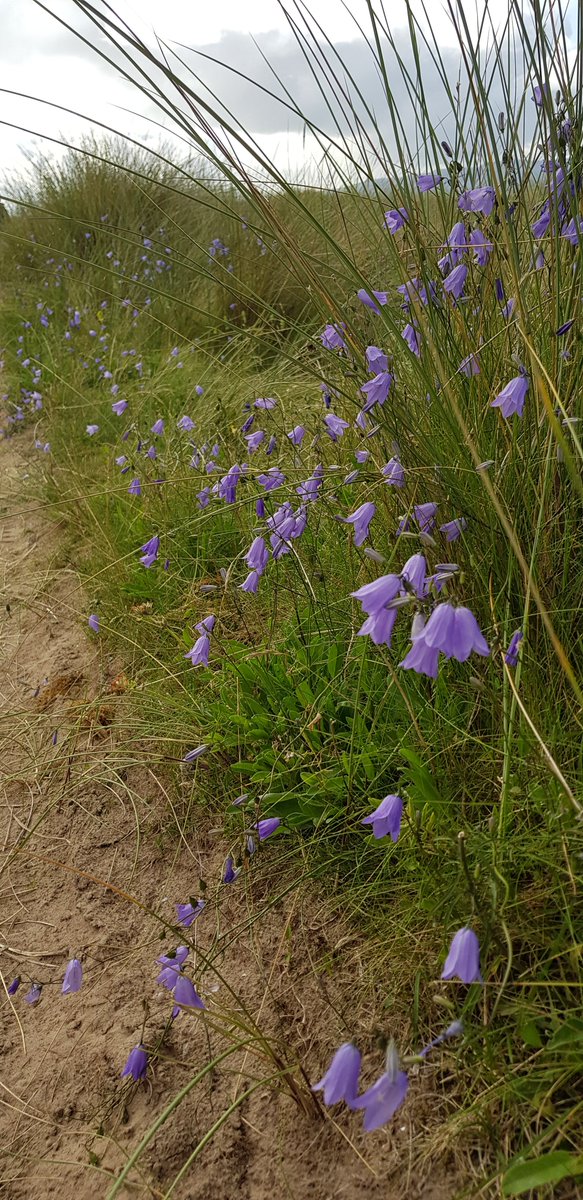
point(395, 218)
point(377, 389)
point(455, 632)
point(150, 551)
point(411, 337)
point(171, 967)
point(414, 575)
point(187, 913)
point(469, 366)
point(93, 622)
point(91, 429)
point(463, 960)
point(254, 440)
point(335, 426)
point(267, 826)
point(426, 183)
point(425, 516)
point(393, 473)
point(186, 424)
point(481, 199)
point(482, 247)
point(158, 426)
point(511, 399)
point(137, 1064)
point(454, 283)
point(185, 995)
point(511, 656)
point(199, 654)
point(192, 755)
point(73, 977)
point(119, 407)
point(453, 529)
point(227, 489)
point(14, 986)
point(251, 583)
point(341, 1079)
point(264, 402)
point(297, 435)
point(376, 360)
point(539, 92)
point(229, 873)
point(135, 488)
point(34, 994)
point(332, 338)
point(381, 1101)
point(421, 658)
point(369, 302)
point(257, 556)
point(272, 479)
point(361, 520)
point(386, 818)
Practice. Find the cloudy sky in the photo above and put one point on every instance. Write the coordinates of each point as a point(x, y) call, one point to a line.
point(43, 58)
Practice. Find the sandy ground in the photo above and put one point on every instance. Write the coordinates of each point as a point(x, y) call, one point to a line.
point(89, 843)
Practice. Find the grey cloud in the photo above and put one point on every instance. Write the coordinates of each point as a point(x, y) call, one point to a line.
point(262, 114)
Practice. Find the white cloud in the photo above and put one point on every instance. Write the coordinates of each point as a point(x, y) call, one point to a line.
point(39, 56)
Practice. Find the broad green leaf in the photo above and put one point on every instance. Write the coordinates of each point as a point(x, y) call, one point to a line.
point(549, 1168)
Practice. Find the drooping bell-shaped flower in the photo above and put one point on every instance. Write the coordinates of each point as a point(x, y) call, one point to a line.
point(376, 390)
point(511, 399)
point(267, 826)
point(137, 1064)
point(386, 818)
point(335, 426)
point(361, 520)
point(411, 336)
point(150, 551)
point(463, 960)
point(376, 360)
point(186, 995)
point(381, 1101)
point(481, 199)
point(395, 218)
point(73, 977)
point(199, 654)
point(376, 595)
point(393, 473)
point(453, 529)
point(414, 574)
point(454, 283)
point(511, 656)
point(373, 302)
point(341, 1079)
point(427, 182)
point(187, 913)
point(455, 632)
point(172, 965)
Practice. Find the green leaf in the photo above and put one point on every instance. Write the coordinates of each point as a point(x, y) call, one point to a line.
point(305, 694)
point(549, 1168)
point(333, 651)
point(571, 1031)
point(530, 1035)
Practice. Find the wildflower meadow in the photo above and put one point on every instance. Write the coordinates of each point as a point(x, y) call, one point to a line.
point(313, 447)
